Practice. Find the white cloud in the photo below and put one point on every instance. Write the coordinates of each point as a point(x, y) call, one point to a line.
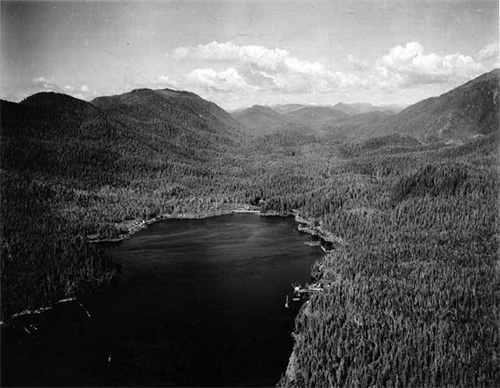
point(43, 84)
point(256, 67)
point(357, 63)
point(489, 55)
point(167, 82)
point(222, 81)
point(230, 73)
point(490, 51)
point(410, 66)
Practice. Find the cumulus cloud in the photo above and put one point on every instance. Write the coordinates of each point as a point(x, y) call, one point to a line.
point(167, 82)
point(43, 84)
point(227, 71)
point(357, 63)
point(410, 66)
point(489, 54)
point(489, 51)
point(254, 67)
point(227, 80)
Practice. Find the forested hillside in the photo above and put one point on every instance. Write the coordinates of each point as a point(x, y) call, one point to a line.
point(317, 116)
point(469, 110)
point(411, 289)
point(261, 119)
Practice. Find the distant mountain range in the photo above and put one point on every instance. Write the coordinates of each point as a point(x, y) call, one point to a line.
point(260, 119)
point(341, 119)
point(167, 124)
point(468, 111)
point(351, 108)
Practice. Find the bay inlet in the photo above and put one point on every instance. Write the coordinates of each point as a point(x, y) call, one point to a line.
point(201, 302)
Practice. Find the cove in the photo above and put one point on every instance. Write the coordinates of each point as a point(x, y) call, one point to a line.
point(201, 302)
point(198, 303)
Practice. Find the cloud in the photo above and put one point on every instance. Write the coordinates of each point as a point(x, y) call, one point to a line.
point(357, 63)
point(254, 67)
point(43, 84)
point(410, 66)
point(223, 81)
point(167, 82)
point(489, 52)
point(258, 68)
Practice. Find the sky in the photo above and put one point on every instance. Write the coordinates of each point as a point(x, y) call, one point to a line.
point(240, 53)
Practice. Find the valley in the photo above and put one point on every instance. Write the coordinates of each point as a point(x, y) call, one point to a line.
point(410, 197)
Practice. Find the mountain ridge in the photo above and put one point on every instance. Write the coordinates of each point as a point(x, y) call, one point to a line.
point(261, 119)
point(467, 110)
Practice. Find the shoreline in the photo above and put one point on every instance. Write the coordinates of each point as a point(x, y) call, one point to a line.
point(138, 225)
point(305, 225)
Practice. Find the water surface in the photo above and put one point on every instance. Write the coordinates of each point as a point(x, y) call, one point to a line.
point(198, 302)
point(201, 302)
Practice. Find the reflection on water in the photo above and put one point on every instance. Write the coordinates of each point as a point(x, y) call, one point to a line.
point(199, 302)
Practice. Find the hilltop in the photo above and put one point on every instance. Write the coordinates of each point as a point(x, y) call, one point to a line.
point(260, 119)
point(181, 117)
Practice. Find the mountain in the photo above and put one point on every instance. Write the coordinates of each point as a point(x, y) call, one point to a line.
point(286, 108)
point(356, 126)
point(346, 108)
point(73, 170)
point(58, 135)
point(261, 119)
point(468, 110)
point(114, 139)
point(316, 116)
point(177, 116)
point(362, 107)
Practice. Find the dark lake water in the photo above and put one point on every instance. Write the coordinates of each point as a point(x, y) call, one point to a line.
point(199, 302)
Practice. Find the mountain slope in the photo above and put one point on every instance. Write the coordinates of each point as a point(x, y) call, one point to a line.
point(59, 136)
point(261, 119)
point(286, 108)
point(316, 116)
point(346, 108)
point(71, 169)
point(180, 117)
point(459, 114)
point(366, 107)
point(355, 126)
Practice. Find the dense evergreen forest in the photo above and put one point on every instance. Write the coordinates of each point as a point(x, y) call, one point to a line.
point(411, 290)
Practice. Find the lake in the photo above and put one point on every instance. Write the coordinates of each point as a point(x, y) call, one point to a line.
point(198, 302)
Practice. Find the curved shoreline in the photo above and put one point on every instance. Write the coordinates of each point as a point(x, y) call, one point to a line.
point(138, 225)
point(305, 226)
